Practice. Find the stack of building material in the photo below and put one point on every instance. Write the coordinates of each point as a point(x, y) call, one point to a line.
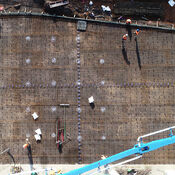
point(38, 135)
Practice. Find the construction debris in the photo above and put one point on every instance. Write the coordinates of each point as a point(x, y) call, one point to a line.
point(54, 4)
point(106, 8)
point(58, 8)
point(150, 9)
point(16, 169)
point(17, 6)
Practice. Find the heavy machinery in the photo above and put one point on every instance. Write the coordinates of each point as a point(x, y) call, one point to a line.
point(138, 150)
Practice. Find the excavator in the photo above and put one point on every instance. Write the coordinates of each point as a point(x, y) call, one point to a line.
point(138, 150)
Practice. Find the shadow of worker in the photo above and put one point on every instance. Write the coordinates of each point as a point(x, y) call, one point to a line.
point(125, 53)
point(29, 149)
point(138, 54)
point(128, 28)
point(92, 105)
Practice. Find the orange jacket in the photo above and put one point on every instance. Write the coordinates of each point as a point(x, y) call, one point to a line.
point(137, 31)
point(125, 36)
point(25, 145)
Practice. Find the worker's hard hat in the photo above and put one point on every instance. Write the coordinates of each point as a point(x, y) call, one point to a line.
point(128, 21)
point(138, 30)
point(126, 35)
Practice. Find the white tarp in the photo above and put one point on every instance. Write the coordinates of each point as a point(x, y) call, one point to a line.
point(35, 116)
point(37, 137)
point(171, 3)
point(91, 99)
point(38, 131)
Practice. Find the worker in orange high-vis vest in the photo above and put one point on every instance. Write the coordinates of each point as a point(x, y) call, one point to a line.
point(25, 145)
point(125, 36)
point(128, 21)
point(137, 32)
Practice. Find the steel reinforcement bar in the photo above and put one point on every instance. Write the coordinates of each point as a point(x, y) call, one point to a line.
point(33, 14)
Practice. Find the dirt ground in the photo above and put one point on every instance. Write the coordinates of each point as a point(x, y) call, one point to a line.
point(81, 5)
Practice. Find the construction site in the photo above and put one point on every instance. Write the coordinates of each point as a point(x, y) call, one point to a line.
point(74, 90)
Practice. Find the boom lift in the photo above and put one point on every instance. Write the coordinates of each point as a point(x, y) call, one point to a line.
point(138, 150)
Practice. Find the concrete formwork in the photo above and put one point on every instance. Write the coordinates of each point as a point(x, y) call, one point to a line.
point(129, 102)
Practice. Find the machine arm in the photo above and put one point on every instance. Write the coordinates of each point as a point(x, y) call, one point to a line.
point(138, 149)
point(103, 162)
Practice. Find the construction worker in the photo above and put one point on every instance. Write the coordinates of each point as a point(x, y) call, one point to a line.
point(137, 32)
point(128, 21)
point(26, 144)
point(125, 37)
point(29, 149)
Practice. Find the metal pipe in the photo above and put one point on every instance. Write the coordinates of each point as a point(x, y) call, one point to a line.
point(6, 150)
point(153, 133)
point(121, 163)
point(64, 105)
